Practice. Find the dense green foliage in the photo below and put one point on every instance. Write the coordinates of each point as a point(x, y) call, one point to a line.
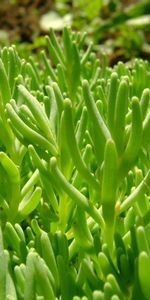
point(74, 175)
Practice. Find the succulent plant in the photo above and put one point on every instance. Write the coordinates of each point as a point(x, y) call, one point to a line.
point(74, 175)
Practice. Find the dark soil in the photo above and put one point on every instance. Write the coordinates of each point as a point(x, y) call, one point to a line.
point(21, 20)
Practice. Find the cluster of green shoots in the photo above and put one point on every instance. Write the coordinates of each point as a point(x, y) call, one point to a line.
point(74, 175)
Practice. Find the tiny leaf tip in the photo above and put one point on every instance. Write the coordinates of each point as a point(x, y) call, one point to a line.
point(53, 162)
point(67, 103)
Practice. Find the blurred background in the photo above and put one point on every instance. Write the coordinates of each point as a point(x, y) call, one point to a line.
point(121, 28)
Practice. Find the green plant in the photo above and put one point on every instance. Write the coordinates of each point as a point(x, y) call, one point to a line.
point(74, 175)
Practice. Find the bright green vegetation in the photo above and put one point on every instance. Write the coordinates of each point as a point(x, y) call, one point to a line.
point(74, 175)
